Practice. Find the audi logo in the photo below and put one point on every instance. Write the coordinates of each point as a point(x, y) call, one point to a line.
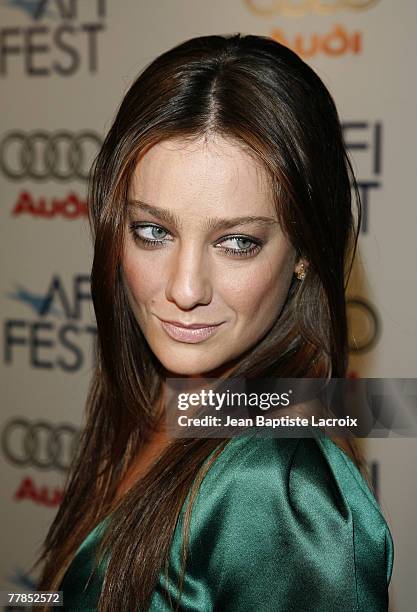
point(364, 325)
point(39, 444)
point(42, 155)
point(294, 8)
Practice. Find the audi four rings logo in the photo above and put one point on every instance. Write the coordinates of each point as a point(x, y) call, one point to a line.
point(295, 8)
point(39, 444)
point(364, 325)
point(42, 155)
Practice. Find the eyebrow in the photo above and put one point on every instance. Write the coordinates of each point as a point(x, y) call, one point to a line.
point(211, 224)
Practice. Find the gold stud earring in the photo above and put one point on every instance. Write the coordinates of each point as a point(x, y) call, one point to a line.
point(301, 272)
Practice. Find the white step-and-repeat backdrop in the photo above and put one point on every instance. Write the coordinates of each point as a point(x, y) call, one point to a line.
point(64, 68)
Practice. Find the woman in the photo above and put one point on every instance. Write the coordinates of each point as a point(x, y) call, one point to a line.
point(223, 229)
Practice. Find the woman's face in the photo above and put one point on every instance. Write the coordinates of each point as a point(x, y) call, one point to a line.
point(203, 248)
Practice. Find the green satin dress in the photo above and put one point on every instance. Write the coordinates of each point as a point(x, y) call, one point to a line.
point(278, 525)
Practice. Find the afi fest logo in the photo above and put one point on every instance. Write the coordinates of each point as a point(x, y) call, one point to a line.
point(58, 335)
point(300, 8)
point(365, 139)
point(62, 37)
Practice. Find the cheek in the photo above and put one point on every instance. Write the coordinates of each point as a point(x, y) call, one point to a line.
point(141, 280)
point(258, 294)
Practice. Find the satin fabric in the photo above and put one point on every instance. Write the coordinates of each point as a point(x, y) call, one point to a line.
point(278, 525)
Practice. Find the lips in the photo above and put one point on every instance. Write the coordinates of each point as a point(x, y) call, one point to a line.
point(189, 333)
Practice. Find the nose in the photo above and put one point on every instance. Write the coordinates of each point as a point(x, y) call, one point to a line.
point(189, 282)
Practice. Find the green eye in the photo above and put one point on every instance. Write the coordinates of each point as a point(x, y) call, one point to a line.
point(245, 246)
point(148, 233)
point(243, 243)
point(157, 232)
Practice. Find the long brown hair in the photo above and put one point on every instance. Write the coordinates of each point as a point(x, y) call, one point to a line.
point(261, 94)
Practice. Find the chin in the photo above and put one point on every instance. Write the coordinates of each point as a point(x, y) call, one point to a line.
point(186, 361)
point(183, 369)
